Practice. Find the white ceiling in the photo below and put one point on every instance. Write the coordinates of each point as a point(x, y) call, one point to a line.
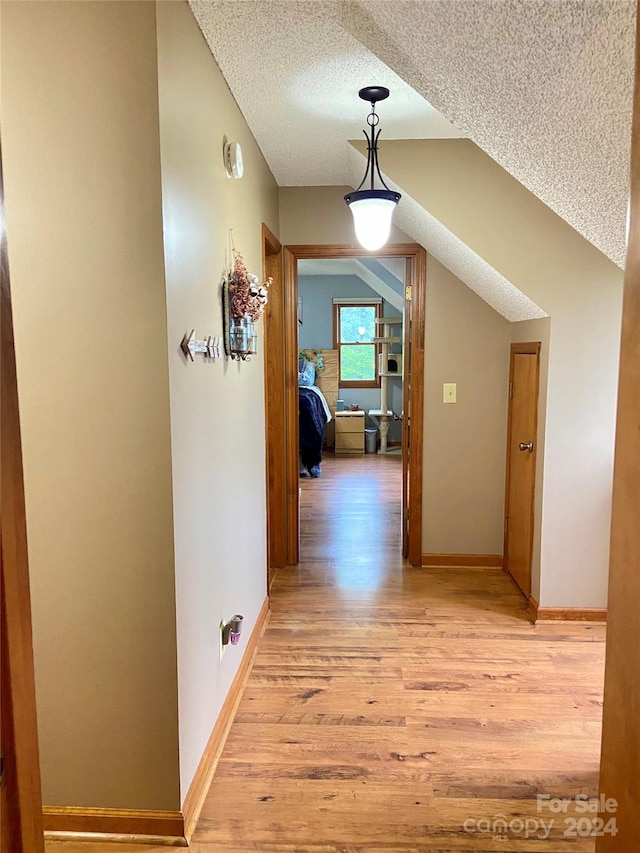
point(543, 86)
point(296, 74)
point(497, 291)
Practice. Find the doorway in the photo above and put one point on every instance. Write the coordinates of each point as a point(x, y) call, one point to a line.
point(413, 357)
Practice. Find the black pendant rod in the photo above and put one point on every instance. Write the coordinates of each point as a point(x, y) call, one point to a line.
point(374, 94)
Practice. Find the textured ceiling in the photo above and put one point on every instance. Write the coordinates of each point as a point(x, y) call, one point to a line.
point(295, 73)
point(503, 296)
point(543, 86)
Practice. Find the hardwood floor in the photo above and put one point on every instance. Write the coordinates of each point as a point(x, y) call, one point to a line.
point(400, 710)
point(388, 705)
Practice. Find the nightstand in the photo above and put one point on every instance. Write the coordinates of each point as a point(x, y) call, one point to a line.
point(349, 431)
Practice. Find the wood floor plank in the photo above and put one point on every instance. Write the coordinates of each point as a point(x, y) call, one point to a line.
point(393, 709)
point(388, 705)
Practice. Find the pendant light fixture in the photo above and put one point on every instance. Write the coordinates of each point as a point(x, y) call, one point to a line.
point(372, 208)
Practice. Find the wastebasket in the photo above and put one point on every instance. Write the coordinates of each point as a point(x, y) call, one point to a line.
point(370, 440)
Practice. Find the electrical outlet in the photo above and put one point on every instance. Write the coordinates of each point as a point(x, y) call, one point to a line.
point(221, 648)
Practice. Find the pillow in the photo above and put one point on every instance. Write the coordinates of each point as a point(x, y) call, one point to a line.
point(306, 374)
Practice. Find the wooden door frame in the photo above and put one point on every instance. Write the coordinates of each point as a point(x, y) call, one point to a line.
point(274, 402)
point(522, 348)
point(19, 724)
point(406, 348)
point(418, 256)
point(620, 761)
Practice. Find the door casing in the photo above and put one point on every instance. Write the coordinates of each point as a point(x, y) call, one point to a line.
point(20, 794)
point(274, 401)
point(412, 453)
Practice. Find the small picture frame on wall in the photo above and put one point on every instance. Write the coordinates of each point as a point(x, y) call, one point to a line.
point(299, 310)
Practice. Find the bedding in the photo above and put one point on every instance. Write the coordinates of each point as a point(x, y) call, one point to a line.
point(306, 374)
point(314, 413)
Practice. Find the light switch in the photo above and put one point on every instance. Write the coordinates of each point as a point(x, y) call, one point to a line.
point(449, 392)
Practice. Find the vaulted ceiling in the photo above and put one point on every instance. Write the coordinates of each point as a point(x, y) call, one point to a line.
point(542, 86)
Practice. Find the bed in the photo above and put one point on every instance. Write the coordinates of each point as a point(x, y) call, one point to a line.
point(317, 398)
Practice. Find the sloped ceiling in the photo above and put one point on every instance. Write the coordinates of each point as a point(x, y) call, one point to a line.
point(543, 86)
point(295, 74)
point(497, 291)
point(355, 267)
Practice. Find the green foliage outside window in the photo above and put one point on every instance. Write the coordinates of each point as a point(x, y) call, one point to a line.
point(356, 331)
point(358, 363)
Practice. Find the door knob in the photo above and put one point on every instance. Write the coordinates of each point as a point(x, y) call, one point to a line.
point(528, 446)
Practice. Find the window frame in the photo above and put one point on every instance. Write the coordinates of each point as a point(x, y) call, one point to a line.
point(350, 303)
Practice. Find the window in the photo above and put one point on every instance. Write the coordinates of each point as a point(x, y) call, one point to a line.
point(354, 331)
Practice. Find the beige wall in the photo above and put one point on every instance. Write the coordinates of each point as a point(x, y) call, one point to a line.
point(320, 216)
point(82, 177)
point(537, 331)
point(466, 342)
point(217, 410)
point(581, 290)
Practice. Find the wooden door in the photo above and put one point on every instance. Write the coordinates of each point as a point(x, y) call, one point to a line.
point(521, 462)
point(20, 797)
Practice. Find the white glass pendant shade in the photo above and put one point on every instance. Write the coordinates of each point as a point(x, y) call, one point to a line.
point(372, 209)
point(372, 214)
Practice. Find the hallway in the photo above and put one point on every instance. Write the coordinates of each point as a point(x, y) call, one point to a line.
point(399, 710)
point(388, 705)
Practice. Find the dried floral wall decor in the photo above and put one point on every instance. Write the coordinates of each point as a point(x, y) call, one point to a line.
point(245, 298)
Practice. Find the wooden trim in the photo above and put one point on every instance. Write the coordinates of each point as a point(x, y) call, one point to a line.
point(406, 406)
point(166, 828)
point(21, 803)
point(463, 560)
point(416, 430)
point(521, 348)
point(566, 614)
point(270, 242)
point(526, 347)
point(291, 465)
point(90, 822)
point(377, 348)
point(417, 254)
point(201, 781)
point(620, 763)
point(274, 402)
point(116, 838)
point(354, 250)
point(358, 384)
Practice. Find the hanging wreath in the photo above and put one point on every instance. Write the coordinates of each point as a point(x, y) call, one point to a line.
point(247, 295)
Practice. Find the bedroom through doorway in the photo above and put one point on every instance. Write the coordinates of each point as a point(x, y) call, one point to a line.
point(350, 319)
point(354, 349)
